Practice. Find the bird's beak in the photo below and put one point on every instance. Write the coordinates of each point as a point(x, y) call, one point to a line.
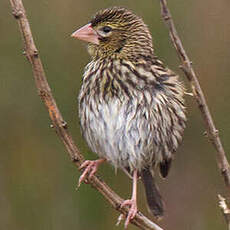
point(86, 33)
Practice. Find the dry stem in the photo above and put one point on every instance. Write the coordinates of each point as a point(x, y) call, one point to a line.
point(186, 66)
point(59, 124)
point(212, 132)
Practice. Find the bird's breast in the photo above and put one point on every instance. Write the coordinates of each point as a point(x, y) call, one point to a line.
point(127, 121)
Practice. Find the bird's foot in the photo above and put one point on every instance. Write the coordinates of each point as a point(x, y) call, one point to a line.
point(90, 169)
point(132, 210)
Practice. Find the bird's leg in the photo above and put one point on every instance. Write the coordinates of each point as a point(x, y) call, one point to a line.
point(90, 168)
point(133, 202)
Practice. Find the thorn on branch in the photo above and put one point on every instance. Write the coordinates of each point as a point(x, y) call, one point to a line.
point(51, 126)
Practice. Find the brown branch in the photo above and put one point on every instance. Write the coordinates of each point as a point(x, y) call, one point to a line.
point(186, 66)
point(224, 209)
point(59, 124)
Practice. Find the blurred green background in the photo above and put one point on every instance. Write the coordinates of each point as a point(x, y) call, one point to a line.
point(37, 178)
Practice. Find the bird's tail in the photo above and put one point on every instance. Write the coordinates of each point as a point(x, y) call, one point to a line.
point(153, 196)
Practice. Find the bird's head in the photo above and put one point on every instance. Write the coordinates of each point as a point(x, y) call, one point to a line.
point(116, 32)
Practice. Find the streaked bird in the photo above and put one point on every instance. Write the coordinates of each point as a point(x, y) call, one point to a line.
point(131, 105)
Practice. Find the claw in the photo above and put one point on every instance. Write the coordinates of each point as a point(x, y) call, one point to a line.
point(132, 211)
point(90, 168)
point(132, 203)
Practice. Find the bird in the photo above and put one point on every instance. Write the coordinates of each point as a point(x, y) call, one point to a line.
point(131, 106)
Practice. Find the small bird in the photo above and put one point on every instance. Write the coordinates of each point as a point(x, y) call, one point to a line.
point(131, 106)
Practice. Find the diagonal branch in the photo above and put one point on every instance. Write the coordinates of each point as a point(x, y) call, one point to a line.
point(59, 124)
point(186, 66)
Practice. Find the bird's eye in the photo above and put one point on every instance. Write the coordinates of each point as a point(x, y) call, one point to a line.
point(106, 29)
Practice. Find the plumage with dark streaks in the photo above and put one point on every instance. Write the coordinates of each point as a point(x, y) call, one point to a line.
point(131, 105)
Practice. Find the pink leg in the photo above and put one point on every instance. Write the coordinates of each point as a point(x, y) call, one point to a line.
point(90, 168)
point(133, 202)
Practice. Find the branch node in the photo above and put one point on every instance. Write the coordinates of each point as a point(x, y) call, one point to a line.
point(187, 63)
point(118, 206)
point(75, 159)
point(167, 17)
point(51, 126)
point(43, 94)
point(216, 133)
point(205, 133)
point(17, 13)
point(64, 124)
point(35, 53)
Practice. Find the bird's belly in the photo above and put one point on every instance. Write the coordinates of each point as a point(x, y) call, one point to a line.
point(121, 132)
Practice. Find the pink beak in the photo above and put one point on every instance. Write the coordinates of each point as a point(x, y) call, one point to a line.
point(86, 33)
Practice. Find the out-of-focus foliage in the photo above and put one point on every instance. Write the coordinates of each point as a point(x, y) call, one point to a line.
point(37, 179)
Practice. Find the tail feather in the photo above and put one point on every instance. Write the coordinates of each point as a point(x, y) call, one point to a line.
point(165, 167)
point(153, 196)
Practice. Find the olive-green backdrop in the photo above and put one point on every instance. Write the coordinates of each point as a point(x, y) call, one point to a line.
point(38, 180)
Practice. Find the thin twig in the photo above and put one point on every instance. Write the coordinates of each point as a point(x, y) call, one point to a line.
point(225, 210)
point(58, 122)
point(186, 66)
